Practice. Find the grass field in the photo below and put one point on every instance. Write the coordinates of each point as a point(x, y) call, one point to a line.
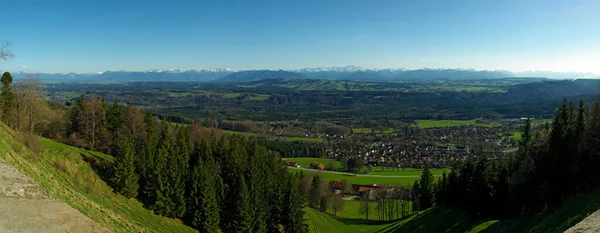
point(328, 176)
point(67, 174)
point(303, 139)
point(405, 172)
point(305, 162)
point(450, 123)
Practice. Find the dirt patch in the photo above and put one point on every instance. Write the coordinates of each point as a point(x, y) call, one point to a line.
point(589, 224)
point(25, 207)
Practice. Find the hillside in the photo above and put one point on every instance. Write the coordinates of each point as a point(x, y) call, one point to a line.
point(446, 219)
point(70, 175)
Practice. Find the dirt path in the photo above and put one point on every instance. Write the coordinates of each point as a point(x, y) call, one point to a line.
point(25, 207)
point(589, 224)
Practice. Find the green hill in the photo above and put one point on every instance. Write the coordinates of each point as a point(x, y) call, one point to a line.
point(69, 174)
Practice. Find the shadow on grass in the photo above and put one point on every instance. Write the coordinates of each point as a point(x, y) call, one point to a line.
point(438, 219)
point(446, 219)
point(100, 166)
point(558, 220)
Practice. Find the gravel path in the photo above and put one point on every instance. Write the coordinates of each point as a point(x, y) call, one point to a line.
point(25, 207)
point(589, 224)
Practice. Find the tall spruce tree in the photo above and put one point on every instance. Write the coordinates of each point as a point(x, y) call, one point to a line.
point(293, 221)
point(145, 162)
point(315, 192)
point(161, 182)
point(242, 218)
point(125, 179)
point(426, 188)
point(202, 205)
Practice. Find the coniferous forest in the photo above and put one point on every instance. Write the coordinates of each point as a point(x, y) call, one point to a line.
point(551, 166)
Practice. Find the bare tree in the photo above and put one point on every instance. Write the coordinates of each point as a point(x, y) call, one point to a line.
point(5, 51)
point(337, 203)
point(30, 106)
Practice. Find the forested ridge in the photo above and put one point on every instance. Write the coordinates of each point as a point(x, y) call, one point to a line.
point(212, 183)
point(552, 166)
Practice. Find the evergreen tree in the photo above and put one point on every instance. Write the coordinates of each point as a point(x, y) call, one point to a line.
point(202, 206)
point(177, 173)
point(161, 182)
point(315, 192)
point(415, 194)
point(294, 214)
point(526, 135)
point(323, 203)
point(8, 102)
point(125, 179)
point(115, 122)
point(145, 162)
point(242, 218)
point(426, 187)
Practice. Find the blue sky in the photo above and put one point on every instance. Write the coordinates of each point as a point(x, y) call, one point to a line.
point(94, 36)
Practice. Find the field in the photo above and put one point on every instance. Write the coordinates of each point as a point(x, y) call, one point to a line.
point(361, 179)
point(68, 174)
point(303, 139)
point(424, 124)
point(305, 162)
point(378, 175)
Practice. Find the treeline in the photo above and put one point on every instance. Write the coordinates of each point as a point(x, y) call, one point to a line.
point(295, 149)
point(551, 166)
point(214, 183)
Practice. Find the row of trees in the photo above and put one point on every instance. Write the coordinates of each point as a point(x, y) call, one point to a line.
point(551, 166)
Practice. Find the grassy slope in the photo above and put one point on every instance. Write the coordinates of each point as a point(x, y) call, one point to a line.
point(445, 219)
point(79, 186)
point(319, 222)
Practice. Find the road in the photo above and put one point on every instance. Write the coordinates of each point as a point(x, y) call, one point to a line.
point(346, 173)
point(25, 207)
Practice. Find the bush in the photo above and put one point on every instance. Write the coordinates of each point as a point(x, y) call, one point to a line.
point(61, 166)
point(33, 143)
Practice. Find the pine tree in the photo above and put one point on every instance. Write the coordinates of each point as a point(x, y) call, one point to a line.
point(294, 215)
point(202, 206)
point(7, 96)
point(145, 162)
point(415, 194)
point(125, 179)
point(162, 186)
point(115, 122)
point(242, 219)
point(315, 192)
point(526, 135)
point(177, 173)
point(323, 203)
point(426, 188)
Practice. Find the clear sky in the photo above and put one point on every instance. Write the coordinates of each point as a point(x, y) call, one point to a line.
point(99, 35)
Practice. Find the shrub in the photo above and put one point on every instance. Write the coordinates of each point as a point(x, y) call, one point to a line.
point(61, 166)
point(33, 143)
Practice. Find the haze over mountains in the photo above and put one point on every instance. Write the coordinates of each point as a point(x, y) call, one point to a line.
point(353, 73)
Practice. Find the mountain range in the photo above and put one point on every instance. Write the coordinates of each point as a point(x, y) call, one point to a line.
point(353, 73)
